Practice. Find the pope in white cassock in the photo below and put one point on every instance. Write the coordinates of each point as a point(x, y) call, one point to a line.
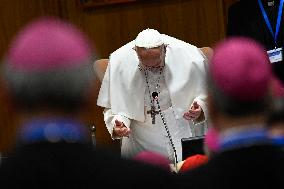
point(154, 94)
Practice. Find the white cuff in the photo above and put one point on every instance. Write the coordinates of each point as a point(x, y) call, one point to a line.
point(204, 109)
point(122, 119)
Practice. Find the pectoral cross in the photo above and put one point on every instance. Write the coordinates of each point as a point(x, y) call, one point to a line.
point(153, 113)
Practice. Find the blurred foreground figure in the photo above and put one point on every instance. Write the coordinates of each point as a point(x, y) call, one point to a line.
point(238, 100)
point(276, 122)
point(153, 158)
point(48, 74)
point(193, 162)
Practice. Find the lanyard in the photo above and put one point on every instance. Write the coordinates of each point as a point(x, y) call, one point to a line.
point(268, 24)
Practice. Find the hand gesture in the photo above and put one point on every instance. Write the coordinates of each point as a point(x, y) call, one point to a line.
point(120, 130)
point(194, 112)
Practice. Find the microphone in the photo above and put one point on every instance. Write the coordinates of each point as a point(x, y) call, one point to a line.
point(155, 95)
point(93, 134)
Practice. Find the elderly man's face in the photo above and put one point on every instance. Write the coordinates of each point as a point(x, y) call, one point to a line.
point(153, 57)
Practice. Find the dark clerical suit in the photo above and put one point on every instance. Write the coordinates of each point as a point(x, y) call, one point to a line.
point(245, 19)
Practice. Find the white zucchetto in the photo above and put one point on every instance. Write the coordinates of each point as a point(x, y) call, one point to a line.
point(149, 38)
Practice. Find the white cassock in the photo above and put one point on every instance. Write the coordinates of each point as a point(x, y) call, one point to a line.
point(125, 95)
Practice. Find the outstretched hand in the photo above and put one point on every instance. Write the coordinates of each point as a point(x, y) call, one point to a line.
point(194, 112)
point(120, 130)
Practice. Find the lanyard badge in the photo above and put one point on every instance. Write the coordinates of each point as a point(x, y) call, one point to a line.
point(275, 55)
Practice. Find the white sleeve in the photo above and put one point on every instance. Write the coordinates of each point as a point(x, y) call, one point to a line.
point(110, 118)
